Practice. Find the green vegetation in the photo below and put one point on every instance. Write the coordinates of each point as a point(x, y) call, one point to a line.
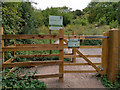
point(23, 18)
point(15, 82)
point(108, 84)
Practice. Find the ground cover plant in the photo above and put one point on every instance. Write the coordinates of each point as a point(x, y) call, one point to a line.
point(109, 84)
point(14, 81)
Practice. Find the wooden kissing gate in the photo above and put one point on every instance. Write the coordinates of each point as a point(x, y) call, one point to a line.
point(110, 53)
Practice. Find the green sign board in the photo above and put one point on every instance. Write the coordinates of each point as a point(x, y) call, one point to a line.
point(73, 43)
point(56, 20)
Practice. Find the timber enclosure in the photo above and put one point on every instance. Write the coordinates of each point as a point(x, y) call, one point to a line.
point(110, 53)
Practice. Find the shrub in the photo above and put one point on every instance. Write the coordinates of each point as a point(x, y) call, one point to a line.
point(113, 24)
point(13, 81)
point(80, 21)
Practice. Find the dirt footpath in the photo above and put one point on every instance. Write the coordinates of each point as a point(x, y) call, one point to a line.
point(73, 80)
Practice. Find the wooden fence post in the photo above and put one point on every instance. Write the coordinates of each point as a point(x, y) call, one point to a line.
point(50, 41)
point(105, 53)
point(119, 50)
point(74, 50)
point(61, 57)
point(112, 67)
point(2, 41)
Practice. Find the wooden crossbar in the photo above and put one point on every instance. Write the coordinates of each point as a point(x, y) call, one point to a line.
point(31, 36)
point(87, 60)
point(77, 64)
point(31, 63)
point(44, 76)
point(81, 71)
point(77, 56)
point(33, 47)
point(95, 37)
point(30, 56)
point(66, 46)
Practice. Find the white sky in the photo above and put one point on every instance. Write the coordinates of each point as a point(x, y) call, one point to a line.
point(74, 4)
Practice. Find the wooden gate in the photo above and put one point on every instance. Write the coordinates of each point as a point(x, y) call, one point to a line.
point(85, 57)
point(110, 57)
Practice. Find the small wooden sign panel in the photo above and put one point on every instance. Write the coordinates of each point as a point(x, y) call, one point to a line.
point(73, 43)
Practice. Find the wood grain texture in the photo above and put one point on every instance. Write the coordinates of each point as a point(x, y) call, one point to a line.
point(32, 63)
point(32, 47)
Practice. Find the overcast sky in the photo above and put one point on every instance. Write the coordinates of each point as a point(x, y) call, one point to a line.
point(74, 4)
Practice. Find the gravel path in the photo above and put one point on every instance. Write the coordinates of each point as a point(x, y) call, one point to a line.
point(73, 80)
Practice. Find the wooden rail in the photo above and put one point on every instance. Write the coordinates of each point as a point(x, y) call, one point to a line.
point(32, 47)
point(81, 71)
point(95, 37)
point(74, 64)
point(32, 63)
point(66, 46)
point(37, 76)
point(31, 36)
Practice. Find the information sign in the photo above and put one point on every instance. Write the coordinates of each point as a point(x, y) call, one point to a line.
point(73, 43)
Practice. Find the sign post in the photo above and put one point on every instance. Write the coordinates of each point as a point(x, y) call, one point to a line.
point(56, 23)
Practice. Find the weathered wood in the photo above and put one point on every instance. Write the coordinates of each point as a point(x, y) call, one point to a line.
point(77, 64)
point(32, 63)
point(44, 76)
point(87, 60)
point(105, 54)
point(66, 46)
point(112, 68)
point(82, 71)
point(33, 47)
point(61, 55)
point(31, 56)
point(31, 36)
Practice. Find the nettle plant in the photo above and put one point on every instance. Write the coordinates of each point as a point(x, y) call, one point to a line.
point(14, 81)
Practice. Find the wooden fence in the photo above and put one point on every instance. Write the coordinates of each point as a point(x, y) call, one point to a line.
point(35, 47)
point(110, 53)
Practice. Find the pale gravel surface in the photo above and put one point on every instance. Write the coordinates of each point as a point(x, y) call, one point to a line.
point(73, 80)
